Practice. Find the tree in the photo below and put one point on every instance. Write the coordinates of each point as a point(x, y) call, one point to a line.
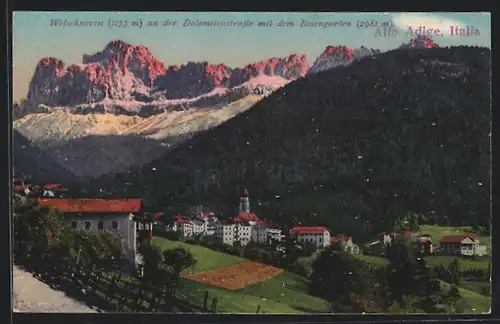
point(252, 252)
point(452, 297)
point(336, 275)
point(454, 272)
point(407, 275)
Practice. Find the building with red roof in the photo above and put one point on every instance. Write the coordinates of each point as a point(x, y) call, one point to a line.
point(465, 244)
point(265, 232)
point(318, 235)
point(121, 216)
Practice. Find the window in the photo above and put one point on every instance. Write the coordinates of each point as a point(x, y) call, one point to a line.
point(100, 225)
point(114, 225)
point(74, 224)
point(88, 225)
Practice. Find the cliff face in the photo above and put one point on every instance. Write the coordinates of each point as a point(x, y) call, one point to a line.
point(404, 131)
point(334, 56)
point(124, 72)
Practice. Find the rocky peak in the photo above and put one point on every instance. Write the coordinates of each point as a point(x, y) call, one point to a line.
point(342, 52)
point(420, 41)
point(332, 57)
point(290, 67)
point(123, 57)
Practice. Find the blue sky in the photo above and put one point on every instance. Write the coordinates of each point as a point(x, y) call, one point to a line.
point(34, 38)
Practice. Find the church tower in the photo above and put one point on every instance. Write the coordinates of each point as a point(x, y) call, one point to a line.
point(244, 201)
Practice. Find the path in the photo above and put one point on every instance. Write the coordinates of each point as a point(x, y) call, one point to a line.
point(31, 295)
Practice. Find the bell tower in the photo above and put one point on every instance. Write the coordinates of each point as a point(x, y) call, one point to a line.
point(244, 201)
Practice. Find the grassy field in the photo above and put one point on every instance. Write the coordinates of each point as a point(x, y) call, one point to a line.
point(207, 259)
point(284, 294)
point(439, 231)
point(476, 303)
point(480, 287)
point(291, 289)
point(464, 262)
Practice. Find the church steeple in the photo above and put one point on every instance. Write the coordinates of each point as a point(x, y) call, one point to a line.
point(244, 201)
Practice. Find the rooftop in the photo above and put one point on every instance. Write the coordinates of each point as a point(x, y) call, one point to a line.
point(85, 205)
point(298, 230)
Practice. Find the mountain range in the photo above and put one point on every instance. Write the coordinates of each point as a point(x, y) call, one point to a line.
point(403, 131)
point(121, 107)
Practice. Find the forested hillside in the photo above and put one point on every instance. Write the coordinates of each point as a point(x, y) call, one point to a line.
point(404, 131)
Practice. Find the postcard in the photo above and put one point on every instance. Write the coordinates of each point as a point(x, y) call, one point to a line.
point(251, 163)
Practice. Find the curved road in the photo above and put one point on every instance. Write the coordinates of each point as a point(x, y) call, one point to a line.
point(31, 295)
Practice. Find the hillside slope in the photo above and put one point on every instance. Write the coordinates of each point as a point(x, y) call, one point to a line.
point(94, 144)
point(407, 130)
point(28, 160)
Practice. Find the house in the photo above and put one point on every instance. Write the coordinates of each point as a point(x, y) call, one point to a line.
point(424, 243)
point(466, 245)
point(388, 237)
point(346, 243)
point(230, 232)
point(198, 226)
point(53, 190)
point(317, 235)
point(210, 220)
point(116, 215)
point(264, 232)
point(183, 225)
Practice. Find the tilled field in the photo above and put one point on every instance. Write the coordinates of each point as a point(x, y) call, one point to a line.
point(237, 276)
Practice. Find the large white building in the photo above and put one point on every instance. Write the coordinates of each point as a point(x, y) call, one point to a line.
point(266, 232)
point(231, 232)
point(115, 215)
point(317, 235)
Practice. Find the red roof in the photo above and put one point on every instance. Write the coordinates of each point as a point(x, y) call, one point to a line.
point(84, 205)
point(18, 179)
point(339, 238)
point(246, 217)
point(181, 219)
point(269, 224)
point(51, 186)
point(424, 241)
point(298, 230)
point(20, 188)
point(206, 214)
point(456, 238)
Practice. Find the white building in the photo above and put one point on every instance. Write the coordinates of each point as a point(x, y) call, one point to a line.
point(317, 235)
point(210, 220)
point(346, 243)
point(231, 232)
point(466, 245)
point(182, 225)
point(116, 215)
point(199, 226)
point(186, 229)
point(265, 232)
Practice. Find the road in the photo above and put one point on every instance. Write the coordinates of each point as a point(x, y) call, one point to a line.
point(33, 296)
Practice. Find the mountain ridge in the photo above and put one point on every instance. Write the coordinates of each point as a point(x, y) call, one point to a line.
point(350, 158)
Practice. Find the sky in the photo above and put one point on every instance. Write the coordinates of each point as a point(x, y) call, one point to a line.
point(34, 37)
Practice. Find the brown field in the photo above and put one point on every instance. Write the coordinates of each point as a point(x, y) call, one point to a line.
point(237, 276)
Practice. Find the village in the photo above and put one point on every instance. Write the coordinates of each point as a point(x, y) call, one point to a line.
point(132, 225)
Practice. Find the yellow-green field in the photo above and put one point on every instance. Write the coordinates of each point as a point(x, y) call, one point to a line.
point(283, 294)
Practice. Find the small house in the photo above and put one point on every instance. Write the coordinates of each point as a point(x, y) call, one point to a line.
point(116, 215)
point(464, 244)
point(317, 235)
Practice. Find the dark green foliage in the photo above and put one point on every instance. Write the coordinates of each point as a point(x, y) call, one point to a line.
point(382, 137)
point(454, 271)
point(79, 259)
point(408, 276)
point(337, 275)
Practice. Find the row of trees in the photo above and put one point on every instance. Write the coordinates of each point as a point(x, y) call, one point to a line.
point(68, 258)
point(405, 285)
